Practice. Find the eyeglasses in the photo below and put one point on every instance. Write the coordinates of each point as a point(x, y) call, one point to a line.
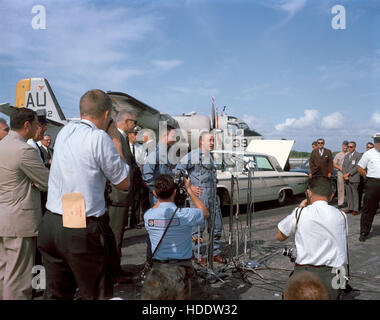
point(320, 143)
point(351, 147)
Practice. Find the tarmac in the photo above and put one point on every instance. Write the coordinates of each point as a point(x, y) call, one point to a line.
point(265, 275)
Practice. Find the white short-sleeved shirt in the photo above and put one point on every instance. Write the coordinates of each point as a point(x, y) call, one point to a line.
point(84, 157)
point(371, 161)
point(321, 235)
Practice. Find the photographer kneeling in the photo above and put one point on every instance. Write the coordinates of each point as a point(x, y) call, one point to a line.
point(320, 235)
point(176, 244)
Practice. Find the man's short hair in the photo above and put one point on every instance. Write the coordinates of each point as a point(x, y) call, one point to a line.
point(94, 103)
point(166, 282)
point(321, 139)
point(168, 129)
point(164, 186)
point(320, 185)
point(124, 114)
point(21, 115)
point(3, 121)
point(305, 285)
point(353, 142)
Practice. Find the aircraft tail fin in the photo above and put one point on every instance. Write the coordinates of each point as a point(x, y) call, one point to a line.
point(36, 93)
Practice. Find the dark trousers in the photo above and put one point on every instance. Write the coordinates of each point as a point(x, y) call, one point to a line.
point(324, 273)
point(135, 212)
point(370, 205)
point(76, 258)
point(118, 222)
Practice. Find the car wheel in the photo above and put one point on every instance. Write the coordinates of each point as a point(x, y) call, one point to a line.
point(282, 197)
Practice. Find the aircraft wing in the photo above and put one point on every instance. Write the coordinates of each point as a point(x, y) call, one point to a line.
point(5, 108)
point(146, 116)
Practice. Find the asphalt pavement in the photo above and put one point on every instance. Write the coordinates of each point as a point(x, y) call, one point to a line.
point(260, 274)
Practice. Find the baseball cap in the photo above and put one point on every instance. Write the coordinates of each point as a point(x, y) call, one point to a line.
point(376, 137)
point(41, 115)
point(345, 143)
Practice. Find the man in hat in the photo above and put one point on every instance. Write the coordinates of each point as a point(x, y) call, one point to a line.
point(139, 153)
point(39, 135)
point(338, 163)
point(370, 161)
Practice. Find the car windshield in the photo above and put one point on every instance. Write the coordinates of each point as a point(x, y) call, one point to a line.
point(232, 162)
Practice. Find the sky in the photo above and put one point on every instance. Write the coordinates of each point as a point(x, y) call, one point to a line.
point(280, 65)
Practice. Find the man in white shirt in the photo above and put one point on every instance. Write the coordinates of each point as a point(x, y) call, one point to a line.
point(370, 161)
point(320, 233)
point(84, 158)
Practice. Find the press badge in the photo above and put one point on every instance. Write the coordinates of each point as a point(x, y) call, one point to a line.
point(73, 210)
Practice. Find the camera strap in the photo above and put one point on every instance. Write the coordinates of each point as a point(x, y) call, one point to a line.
point(298, 215)
point(163, 235)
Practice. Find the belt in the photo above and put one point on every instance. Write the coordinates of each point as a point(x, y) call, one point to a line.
point(311, 266)
point(171, 260)
point(87, 218)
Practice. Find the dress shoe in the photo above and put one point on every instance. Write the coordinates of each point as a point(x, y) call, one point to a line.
point(347, 211)
point(220, 259)
point(339, 207)
point(362, 238)
point(355, 213)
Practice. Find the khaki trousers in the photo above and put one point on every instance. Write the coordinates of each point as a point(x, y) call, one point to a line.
point(16, 262)
point(340, 182)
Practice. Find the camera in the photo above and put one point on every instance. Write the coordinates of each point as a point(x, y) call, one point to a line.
point(291, 253)
point(181, 194)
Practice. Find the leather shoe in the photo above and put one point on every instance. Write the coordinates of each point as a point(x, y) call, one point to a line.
point(362, 238)
point(355, 213)
point(220, 259)
point(347, 211)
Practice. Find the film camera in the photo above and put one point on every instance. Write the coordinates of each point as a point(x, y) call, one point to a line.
point(181, 194)
point(291, 253)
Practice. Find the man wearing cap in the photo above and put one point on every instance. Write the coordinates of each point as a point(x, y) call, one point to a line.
point(352, 178)
point(370, 161)
point(42, 126)
point(338, 163)
point(139, 154)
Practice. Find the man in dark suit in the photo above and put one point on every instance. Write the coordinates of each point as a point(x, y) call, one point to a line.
point(321, 161)
point(120, 201)
point(352, 178)
point(46, 150)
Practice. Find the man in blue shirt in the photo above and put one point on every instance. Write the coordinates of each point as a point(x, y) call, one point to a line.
point(84, 158)
point(200, 166)
point(176, 246)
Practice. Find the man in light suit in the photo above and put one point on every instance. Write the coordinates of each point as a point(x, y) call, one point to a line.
point(22, 177)
point(352, 178)
point(321, 161)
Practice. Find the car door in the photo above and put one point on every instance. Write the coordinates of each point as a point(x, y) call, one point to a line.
point(270, 181)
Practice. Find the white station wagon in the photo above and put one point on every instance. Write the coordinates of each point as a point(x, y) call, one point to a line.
point(270, 182)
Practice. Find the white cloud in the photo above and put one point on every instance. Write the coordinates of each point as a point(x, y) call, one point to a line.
point(289, 7)
point(376, 117)
point(309, 119)
point(166, 65)
point(333, 121)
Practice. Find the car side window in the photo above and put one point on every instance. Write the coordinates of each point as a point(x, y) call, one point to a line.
point(263, 164)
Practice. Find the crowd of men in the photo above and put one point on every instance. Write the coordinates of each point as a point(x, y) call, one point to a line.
point(97, 177)
point(68, 208)
point(357, 174)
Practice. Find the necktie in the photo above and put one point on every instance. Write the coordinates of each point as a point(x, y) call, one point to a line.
point(133, 149)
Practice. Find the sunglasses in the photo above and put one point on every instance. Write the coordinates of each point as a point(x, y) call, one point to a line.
point(351, 147)
point(320, 142)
